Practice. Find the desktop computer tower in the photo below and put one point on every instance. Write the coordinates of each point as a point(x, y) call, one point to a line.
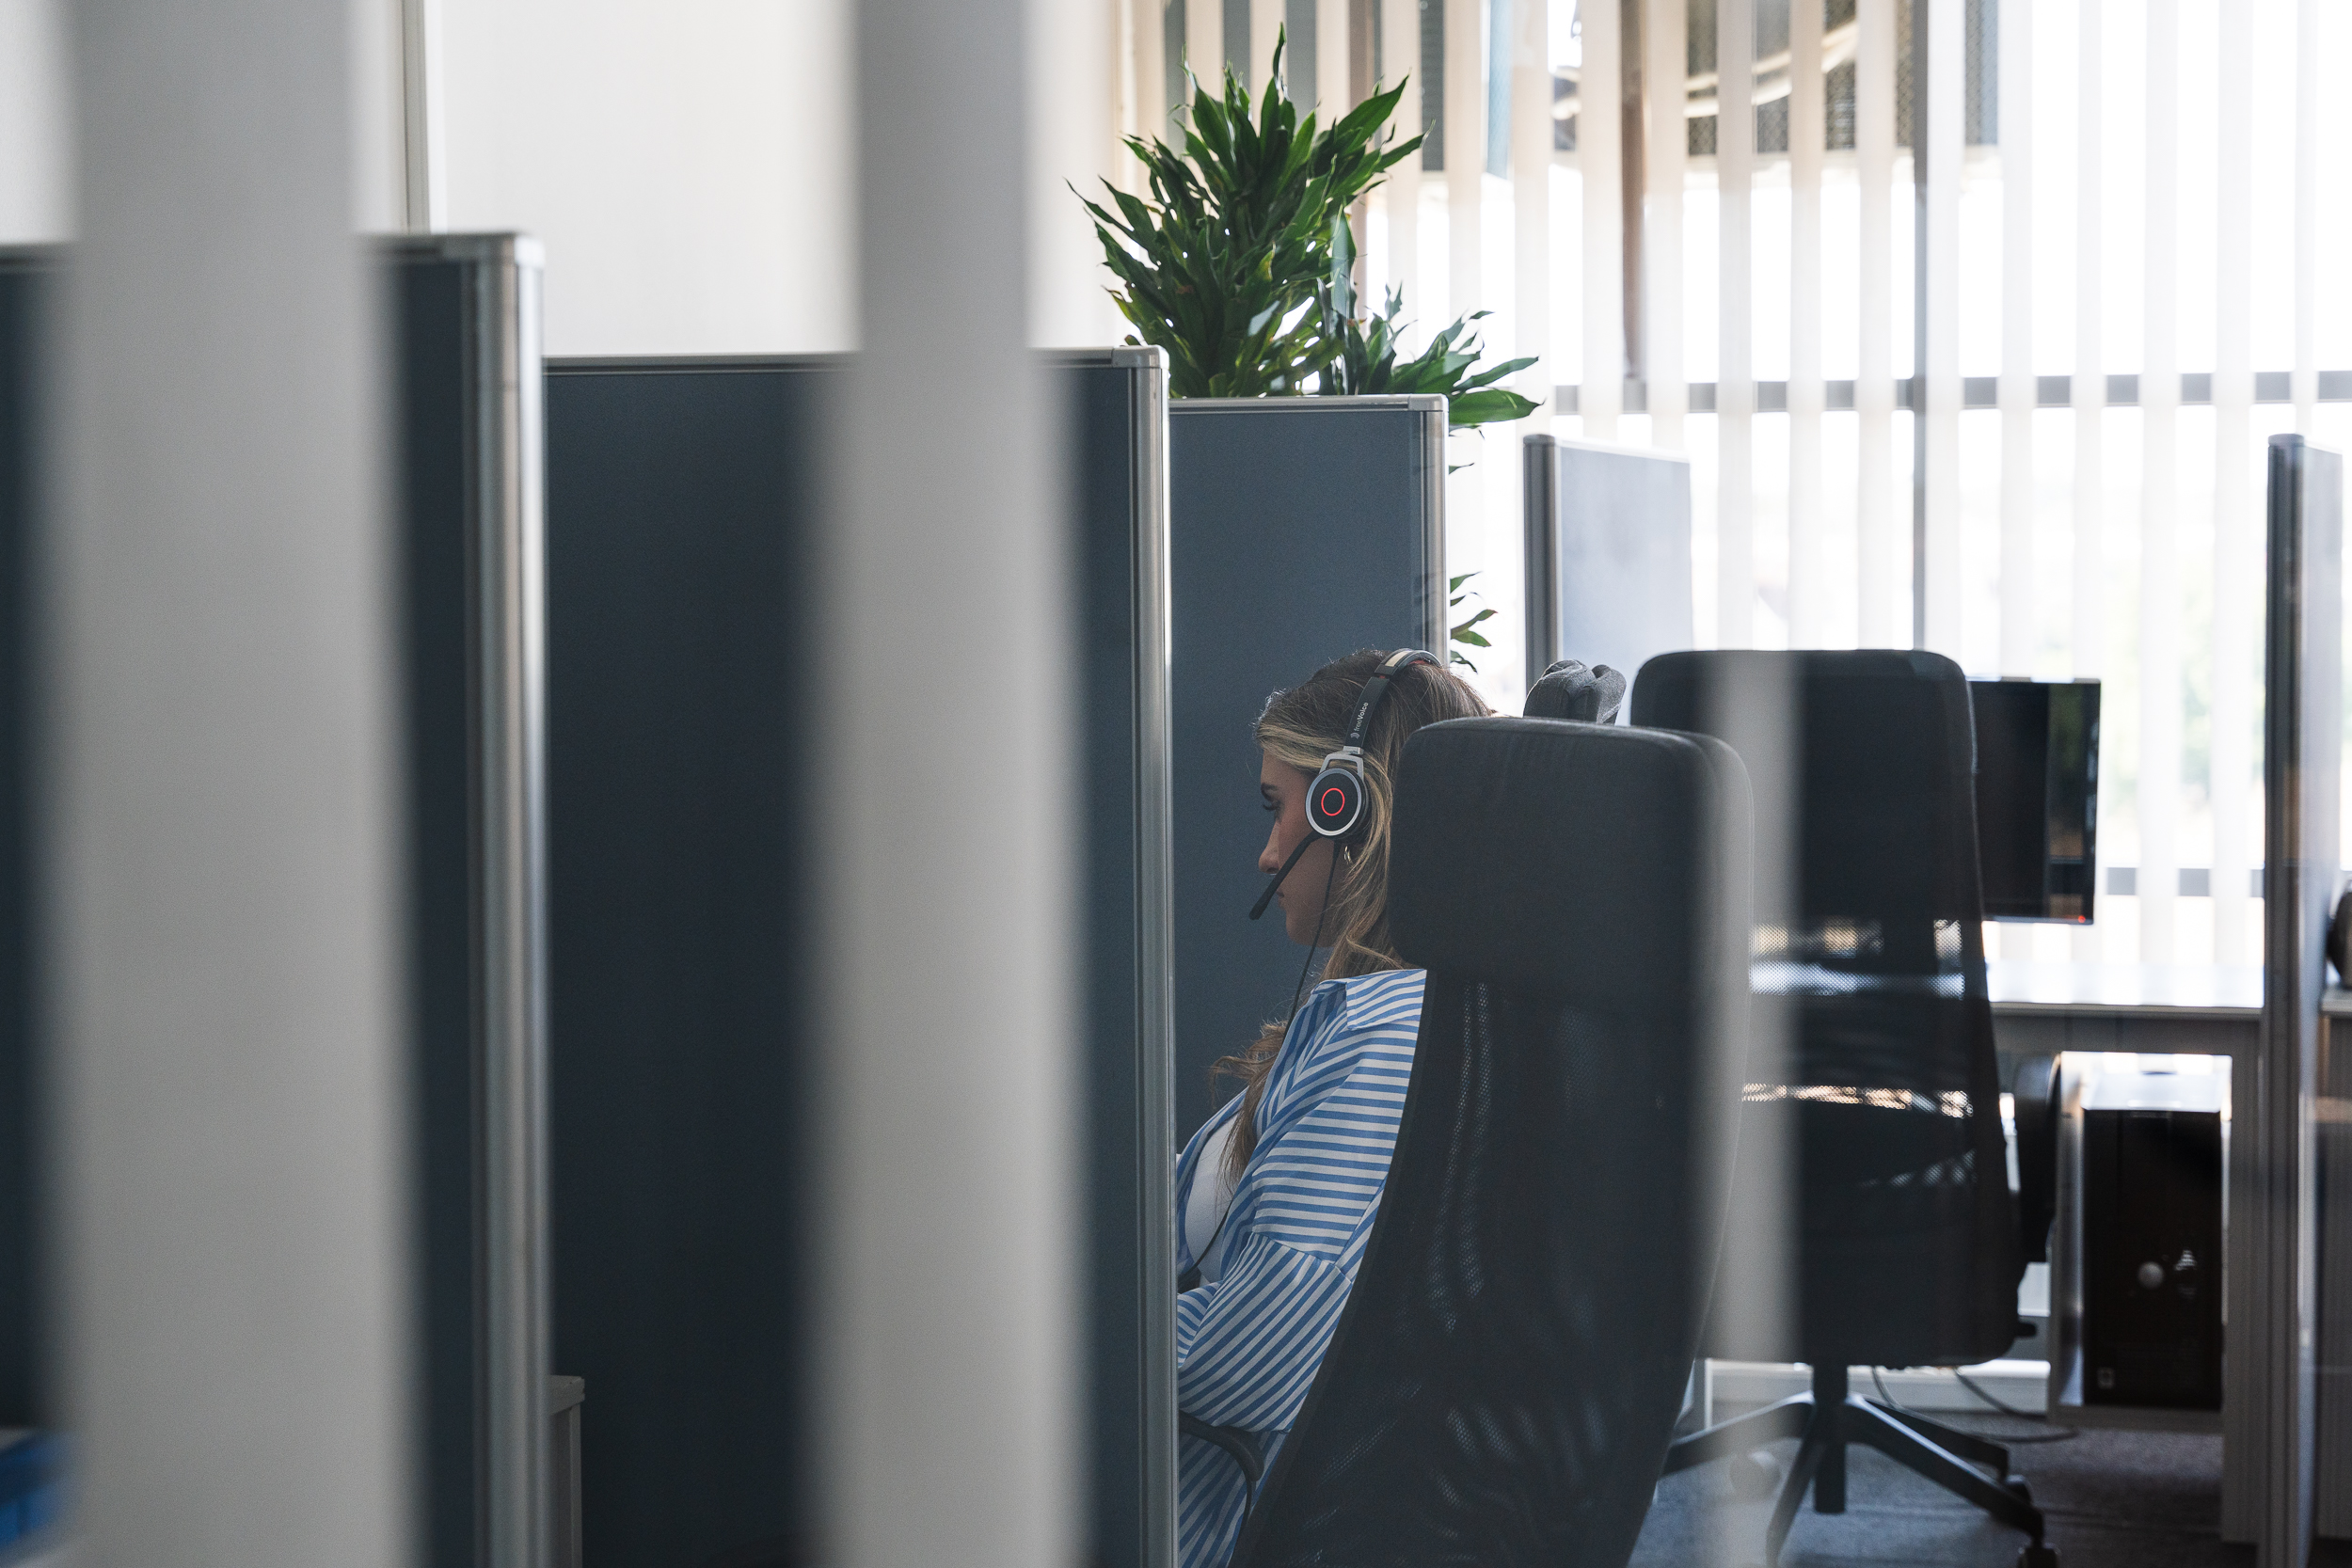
point(2152, 1257)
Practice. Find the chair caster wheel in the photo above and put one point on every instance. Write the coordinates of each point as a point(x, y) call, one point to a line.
point(1753, 1476)
point(2037, 1555)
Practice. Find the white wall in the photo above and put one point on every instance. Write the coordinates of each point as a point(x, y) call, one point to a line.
point(377, 177)
point(36, 109)
point(35, 204)
point(1073, 62)
point(686, 164)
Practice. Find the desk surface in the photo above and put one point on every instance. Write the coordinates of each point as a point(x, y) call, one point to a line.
point(2021, 987)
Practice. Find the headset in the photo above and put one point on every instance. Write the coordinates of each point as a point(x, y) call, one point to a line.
point(1335, 798)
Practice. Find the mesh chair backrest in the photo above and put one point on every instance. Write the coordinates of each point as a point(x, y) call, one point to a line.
point(1503, 1383)
point(1873, 1102)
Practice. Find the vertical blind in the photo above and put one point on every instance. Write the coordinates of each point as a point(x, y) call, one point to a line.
point(2013, 412)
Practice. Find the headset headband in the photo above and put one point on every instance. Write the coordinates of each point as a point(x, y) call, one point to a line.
point(1375, 688)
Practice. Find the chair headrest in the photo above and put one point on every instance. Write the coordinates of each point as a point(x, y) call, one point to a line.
point(1569, 690)
point(1869, 755)
point(1568, 857)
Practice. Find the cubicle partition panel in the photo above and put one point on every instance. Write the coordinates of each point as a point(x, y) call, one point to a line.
point(24, 284)
point(684, 505)
point(681, 500)
point(2302, 738)
point(464, 358)
point(1117, 419)
point(1300, 529)
point(1608, 538)
point(2332, 1472)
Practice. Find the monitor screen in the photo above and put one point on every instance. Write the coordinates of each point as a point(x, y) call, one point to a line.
point(2037, 798)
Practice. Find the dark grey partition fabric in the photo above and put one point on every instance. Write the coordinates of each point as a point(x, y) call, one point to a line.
point(434, 418)
point(680, 503)
point(24, 284)
point(682, 506)
point(1608, 538)
point(1299, 528)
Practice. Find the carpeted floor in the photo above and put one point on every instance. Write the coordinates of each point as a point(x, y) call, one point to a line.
point(2112, 1499)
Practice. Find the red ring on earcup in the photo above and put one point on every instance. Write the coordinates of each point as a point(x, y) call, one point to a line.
point(1334, 800)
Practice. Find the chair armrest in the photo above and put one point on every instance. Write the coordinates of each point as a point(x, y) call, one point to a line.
point(1233, 1440)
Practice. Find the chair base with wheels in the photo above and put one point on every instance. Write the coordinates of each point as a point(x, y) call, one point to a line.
point(1831, 1416)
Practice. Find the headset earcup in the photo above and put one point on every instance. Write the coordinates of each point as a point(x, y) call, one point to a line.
point(1334, 802)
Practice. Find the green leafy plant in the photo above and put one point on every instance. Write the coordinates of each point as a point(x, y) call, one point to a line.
point(1466, 631)
point(1366, 362)
point(1224, 267)
point(1240, 264)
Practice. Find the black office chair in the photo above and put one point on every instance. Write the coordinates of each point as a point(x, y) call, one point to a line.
point(1568, 690)
point(1872, 1130)
point(1503, 1381)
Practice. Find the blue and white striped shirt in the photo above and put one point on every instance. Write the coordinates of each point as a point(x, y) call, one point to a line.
point(1247, 1346)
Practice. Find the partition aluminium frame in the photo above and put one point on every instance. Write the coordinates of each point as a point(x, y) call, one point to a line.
point(2302, 745)
point(466, 355)
point(1119, 398)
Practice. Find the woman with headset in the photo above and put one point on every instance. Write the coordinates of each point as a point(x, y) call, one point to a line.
point(1277, 1193)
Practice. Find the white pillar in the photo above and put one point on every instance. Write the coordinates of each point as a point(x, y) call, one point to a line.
point(1531, 197)
point(1947, 135)
point(2160, 690)
point(1465, 158)
point(1735, 382)
point(1265, 25)
point(34, 169)
point(222, 906)
point(1399, 61)
point(1601, 167)
point(1331, 96)
point(2088, 385)
point(1665, 38)
point(1530, 228)
point(1875, 512)
point(2017, 387)
point(1148, 25)
point(1205, 46)
point(1808, 593)
point(1072, 144)
point(2308, 154)
point(949, 1358)
point(2237, 542)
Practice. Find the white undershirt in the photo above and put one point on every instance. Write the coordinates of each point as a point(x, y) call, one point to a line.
point(1206, 1205)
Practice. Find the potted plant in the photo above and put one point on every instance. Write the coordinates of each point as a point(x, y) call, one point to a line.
point(1240, 264)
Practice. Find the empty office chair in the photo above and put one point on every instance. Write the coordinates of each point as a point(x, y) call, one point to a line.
point(1503, 1382)
point(1567, 690)
point(1871, 1132)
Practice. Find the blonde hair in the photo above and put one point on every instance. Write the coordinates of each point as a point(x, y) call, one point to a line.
point(1299, 728)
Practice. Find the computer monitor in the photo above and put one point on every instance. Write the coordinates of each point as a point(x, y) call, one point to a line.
point(2037, 798)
